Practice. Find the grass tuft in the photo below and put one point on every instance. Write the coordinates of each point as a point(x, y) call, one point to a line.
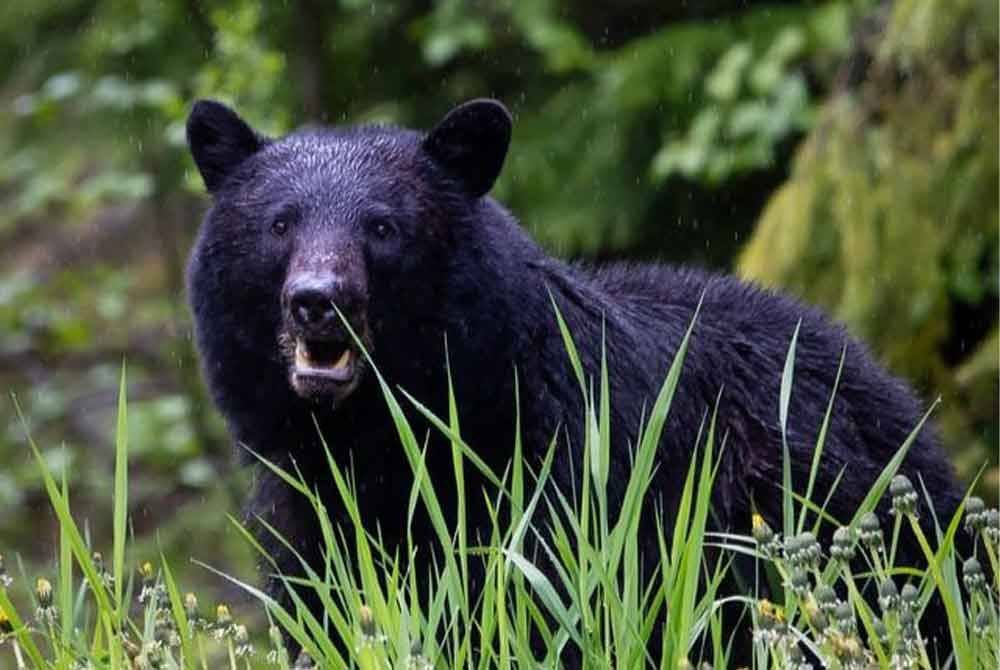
point(560, 572)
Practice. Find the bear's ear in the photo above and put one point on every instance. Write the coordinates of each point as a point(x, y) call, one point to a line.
point(219, 140)
point(471, 142)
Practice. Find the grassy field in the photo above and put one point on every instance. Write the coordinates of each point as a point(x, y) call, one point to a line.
point(592, 599)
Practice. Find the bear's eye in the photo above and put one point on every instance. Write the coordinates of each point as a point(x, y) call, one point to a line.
point(382, 229)
point(279, 227)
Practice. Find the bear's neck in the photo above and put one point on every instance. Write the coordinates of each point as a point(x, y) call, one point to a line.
point(501, 292)
point(500, 308)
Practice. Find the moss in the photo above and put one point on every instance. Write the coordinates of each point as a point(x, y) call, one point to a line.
point(890, 216)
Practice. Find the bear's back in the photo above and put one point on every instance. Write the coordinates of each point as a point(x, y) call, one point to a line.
point(739, 345)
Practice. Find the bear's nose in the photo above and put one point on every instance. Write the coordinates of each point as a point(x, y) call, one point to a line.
point(310, 301)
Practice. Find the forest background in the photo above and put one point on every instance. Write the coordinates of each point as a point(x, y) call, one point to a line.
point(845, 151)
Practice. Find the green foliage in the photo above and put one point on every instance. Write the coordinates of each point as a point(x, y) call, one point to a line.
point(751, 105)
point(890, 218)
point(572, 580)
point(97, 193)
point(681, 101)
point(643, 129)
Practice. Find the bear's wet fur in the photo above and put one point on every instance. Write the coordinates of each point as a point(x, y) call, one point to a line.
point(401, 224)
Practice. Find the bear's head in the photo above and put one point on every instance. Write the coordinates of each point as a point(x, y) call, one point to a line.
point(326, 226)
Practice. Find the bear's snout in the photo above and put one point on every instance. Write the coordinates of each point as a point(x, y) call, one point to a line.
point(323, 361)
point(312, 301)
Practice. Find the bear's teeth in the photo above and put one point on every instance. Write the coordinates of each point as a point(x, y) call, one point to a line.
point(303, 360)
point(343, 361)
point(301, 357)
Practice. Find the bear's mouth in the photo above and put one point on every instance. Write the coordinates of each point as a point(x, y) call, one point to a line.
point(334, 360)
point(323, 368)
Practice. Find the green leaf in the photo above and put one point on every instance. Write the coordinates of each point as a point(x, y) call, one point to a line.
point(785, 394)
point(120, 499)
point(821, 438)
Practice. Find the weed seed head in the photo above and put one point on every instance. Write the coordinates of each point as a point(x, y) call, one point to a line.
point(304, 662)
point(799, 582)
point(802, 551)
point(843, 617)
point(870, 532)
point(842, 548)
point(888, 596)
point(826, 598)
point(242, 639)
point(46, 612)
point(147, 572)
point(972, 575)
point(992, 530)
point(191, 605)
point(767, 540)
point(43, 591)
point(881, 632)
point(910, 597)
point(904, 497)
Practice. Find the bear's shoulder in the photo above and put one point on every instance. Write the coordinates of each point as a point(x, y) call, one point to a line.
point(728, 304)
point(682, 285)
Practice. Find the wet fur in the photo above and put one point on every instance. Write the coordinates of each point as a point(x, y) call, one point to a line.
point(470, 276)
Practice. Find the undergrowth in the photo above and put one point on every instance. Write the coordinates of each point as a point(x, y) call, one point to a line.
point(560, 572)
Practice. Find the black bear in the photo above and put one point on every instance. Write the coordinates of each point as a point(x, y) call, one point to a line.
point(393, 229)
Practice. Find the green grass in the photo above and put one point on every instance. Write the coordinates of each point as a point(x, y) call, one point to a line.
point(561, 570)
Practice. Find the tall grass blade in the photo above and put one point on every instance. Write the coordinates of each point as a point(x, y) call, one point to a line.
point(543, 587)
point(180, 616)
point(65, 577)
point(120, 496)
point(642, 468)
point(20, 631)
point(107, 611)
point(784, 398)
point(821, 438)
point(570, 345)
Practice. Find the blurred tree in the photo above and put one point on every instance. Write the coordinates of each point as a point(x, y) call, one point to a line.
point(890, 217)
